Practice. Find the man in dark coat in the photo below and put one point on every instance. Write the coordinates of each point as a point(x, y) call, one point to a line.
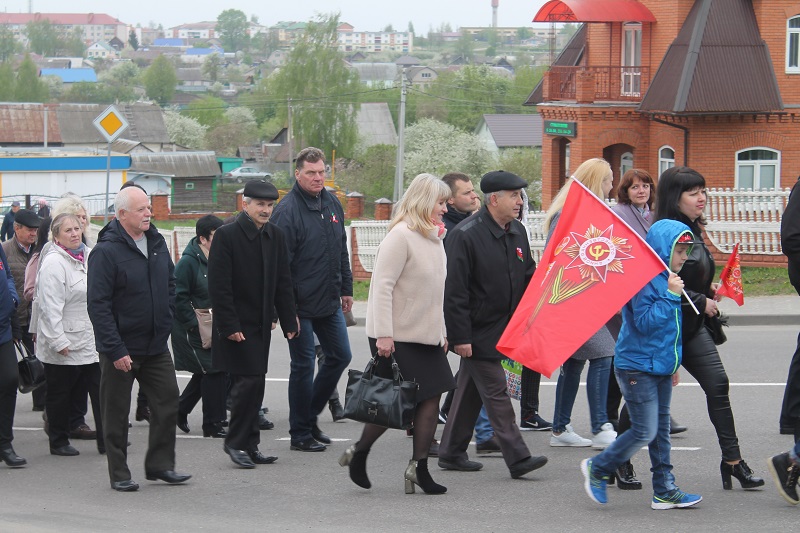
point(790, 242)
point(248, 278)
point(7, 229)
point(489, 265)
point(131, 301)
point(313, 221)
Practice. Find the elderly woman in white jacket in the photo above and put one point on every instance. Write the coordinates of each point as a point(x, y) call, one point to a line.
point(405, 317)
point(64, 334)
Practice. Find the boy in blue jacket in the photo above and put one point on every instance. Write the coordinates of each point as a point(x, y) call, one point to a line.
point(648, 355)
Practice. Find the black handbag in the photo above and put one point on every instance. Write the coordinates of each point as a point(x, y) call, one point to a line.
point(714, 326)
point(384, 402)
point(31, 370)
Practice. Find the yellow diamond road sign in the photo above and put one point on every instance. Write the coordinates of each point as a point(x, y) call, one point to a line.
point(110, 123)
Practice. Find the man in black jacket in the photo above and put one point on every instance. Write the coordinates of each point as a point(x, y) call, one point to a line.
point(489, 265)
point(131, 301)
point(248, 277)
point(790, 242)
point(313, 221)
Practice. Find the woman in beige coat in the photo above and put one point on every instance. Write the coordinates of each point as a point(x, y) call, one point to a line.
point(405, 317)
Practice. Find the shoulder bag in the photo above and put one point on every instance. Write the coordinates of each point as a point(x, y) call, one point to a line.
point(384, 402)
point(714, 326)
point(31, 370)
point(204, 326)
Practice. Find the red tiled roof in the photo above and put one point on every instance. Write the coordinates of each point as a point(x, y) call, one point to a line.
point(59, 18)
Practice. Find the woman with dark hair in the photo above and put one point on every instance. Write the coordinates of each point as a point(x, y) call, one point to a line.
point(682, 197)
point(635, 196)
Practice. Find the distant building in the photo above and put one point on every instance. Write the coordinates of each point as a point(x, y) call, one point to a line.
point(287, 33)
point(71, 75)
point(373, 41)
point(500, 132)
point(102, 50)
point(95, 26)
point(196, 30)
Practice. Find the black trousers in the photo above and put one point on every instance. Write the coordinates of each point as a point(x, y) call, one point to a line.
point(529, 393)
point(211, 388)
point(790, 410)
point(246, 395)
point(156, 377)
point(482, 382)
point(67, 386)
point(701, 359)
point(9, 381)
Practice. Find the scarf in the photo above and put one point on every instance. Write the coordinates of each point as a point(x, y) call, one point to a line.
point(77, 253)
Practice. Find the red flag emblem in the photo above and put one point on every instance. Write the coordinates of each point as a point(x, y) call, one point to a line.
point(730, 283)
point(593, 264)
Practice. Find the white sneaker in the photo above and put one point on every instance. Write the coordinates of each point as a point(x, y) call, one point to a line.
point(605, 437)
point(569, 438)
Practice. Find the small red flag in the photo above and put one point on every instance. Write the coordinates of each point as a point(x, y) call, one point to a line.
point(593, 265)
point(730, 283)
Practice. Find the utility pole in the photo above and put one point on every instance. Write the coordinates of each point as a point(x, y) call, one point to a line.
point(290, 140)
point(401, 127)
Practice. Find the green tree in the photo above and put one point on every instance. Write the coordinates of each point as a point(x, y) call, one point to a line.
point(7, 82)
point(8, 44)
point(160, 80)
point(260, 101)
point(526, 163)
point(471, 92)
point(42, 37)
point(98, 93)
point(208, 111)
point(523, 33)
point(133, 40)
point(465, 47)
point(74, 45)
point(388, 28)
point(321, 88)
point(122, 73)
point(211, 66)
point(232, 28)
point(238, 129)
point(28, 87)
point(371, 172)
point(410, 27)
point(426, 142)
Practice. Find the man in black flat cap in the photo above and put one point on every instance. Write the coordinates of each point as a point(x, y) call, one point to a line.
point(249, 279)
point(489, 265)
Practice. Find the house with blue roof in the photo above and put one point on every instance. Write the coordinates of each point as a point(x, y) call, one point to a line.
point(198, 55)
point(180, 43)
point(71, 75)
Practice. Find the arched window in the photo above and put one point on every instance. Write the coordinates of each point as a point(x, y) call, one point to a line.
point(793, 45)
point(666, 158)
point(758, 168)
point(625, 163)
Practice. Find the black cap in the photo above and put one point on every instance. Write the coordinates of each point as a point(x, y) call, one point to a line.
point(263, 190)
point(500, 180)
point(14, 204)
point(27, 218)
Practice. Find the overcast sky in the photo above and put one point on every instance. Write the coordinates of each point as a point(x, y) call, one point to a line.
point(365, 15)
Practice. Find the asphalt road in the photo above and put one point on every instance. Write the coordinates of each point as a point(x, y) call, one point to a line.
point(311, 492)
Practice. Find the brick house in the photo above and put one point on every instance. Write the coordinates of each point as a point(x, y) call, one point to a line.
point(710, 84)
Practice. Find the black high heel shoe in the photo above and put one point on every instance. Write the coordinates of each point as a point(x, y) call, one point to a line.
point(357, 461)
point(740, 471)
point(417, 474)
point(625, 477)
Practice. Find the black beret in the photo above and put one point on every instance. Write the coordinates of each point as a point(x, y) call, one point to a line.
point(27, 218)
point(263, 190)
point(500, 180)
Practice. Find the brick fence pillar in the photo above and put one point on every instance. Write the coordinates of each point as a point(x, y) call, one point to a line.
point(584, 89)
point(383, 209)
point(160, 201)
point(355, 206)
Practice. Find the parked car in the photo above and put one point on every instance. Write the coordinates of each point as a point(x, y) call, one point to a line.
point(246, 173)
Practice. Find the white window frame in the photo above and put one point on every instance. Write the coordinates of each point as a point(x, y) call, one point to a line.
point(792, 32)
point(627, 156)
point(757, 164)
point(665, 162)
point(631, 60)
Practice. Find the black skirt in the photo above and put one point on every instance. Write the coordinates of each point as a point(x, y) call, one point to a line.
point(423, 363)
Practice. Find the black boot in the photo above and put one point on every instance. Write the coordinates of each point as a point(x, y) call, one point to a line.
point(626, 477)
point(417, 473)
point(740, 471)
point(357, 461)
point(10, 457)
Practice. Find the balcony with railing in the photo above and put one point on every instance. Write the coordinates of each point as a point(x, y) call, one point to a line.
point(591, 84)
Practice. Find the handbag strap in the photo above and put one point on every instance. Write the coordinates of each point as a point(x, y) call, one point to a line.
point(397, 377)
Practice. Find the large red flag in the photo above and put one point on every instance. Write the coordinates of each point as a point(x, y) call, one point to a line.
point(730, 283)
point(593, 265)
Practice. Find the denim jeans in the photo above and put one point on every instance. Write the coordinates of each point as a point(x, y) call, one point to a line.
point(307, 395)
point(648, 398)
point(569, 379)
point(483, 429)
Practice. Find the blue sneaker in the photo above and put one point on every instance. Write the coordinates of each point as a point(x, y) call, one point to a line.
point(595, 485)
point(675, 499)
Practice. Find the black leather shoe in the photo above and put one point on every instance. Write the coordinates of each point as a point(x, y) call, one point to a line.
point(520, 468)
point(183, 422)
point(263, 423)
point(125, 486)
point(216, 431)
point(319, 436)
point(168, 476)
point(83, 432)
point(307, 445)
point(65, 451)
point(747, 478)
point(260, 459)
point(464, 465)
point(239, 457)
point(143, 413)
point(675, 427)
point(337, 411)
point(9, 457)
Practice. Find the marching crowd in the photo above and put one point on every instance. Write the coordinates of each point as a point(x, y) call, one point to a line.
point(447, 278)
